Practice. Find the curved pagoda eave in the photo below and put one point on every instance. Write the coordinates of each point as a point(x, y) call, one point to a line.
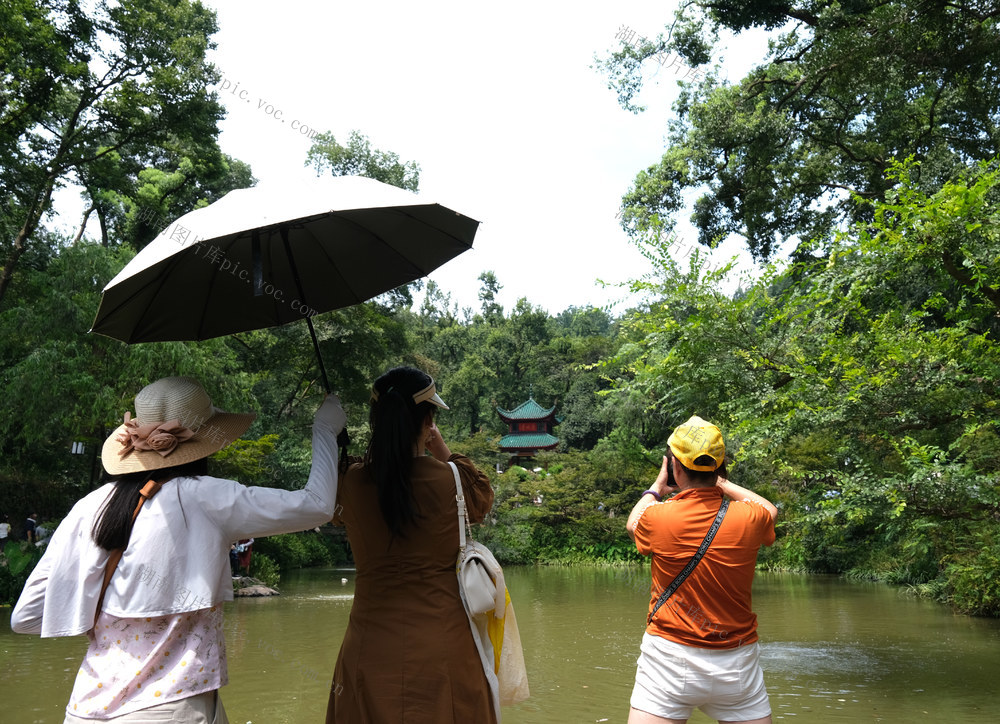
point(527, 442)
point(529, 410)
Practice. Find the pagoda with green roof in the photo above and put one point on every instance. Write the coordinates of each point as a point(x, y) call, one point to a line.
point(529, 429)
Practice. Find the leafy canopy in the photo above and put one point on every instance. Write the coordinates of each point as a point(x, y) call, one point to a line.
point(796, 147)
point(94, 93)
point(358, 158)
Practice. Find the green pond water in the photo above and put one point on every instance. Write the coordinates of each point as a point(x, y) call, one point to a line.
point(833, 651)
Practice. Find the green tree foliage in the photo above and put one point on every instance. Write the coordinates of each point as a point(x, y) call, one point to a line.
point(358, 158)
point(573, 510)
point(173, 186)
point(17, 560)
point(64, 386)
point(488, 292)
point(807, 136)
point(265, 569)
point(112, 98)
point(858, 390)
point(93, 94)
point(514, 352)
point(294, 550)
point(489, 360)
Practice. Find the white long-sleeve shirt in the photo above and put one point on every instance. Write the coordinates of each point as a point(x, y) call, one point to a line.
point(177, 559)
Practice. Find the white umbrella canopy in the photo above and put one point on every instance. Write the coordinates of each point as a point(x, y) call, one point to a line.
point(266, 256)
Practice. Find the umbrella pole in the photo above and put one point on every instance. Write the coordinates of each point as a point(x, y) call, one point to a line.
point(319, 357)
point(302, 298)
point(343, 439)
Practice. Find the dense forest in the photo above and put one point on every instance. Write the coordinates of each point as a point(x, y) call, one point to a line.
point(855, 381)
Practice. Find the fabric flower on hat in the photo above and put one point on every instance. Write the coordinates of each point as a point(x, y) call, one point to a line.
point(160, 437)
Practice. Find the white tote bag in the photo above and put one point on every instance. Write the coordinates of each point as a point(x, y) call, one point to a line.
point(490, 612)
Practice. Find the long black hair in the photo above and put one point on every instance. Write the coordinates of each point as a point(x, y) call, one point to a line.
point(113, 525)
point(396, 421)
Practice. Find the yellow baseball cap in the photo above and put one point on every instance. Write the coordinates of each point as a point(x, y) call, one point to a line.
point(695, 438)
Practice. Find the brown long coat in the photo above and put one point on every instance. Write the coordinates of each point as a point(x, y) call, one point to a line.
point(408, 655)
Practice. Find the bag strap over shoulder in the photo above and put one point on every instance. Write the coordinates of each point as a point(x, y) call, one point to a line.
point(463, 514)
point(669, 591)
point(150, 489)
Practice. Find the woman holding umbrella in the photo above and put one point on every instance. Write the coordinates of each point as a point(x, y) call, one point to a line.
point(148, 588)
point(408, 654)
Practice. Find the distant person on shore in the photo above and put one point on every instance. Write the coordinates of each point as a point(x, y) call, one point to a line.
point(158, 537)
point(700, 647)
point(408, 653)
point(244, 549)
point(42, 535)
point(29, 527)
point(4, 529)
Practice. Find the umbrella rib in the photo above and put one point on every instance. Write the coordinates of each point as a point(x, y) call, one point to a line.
point(272, 244)
point(335, 270)
point(110, 314)
point(211, 284)
point(463, 242)
point(162, 278)
point(403, 212)
point(386, 245)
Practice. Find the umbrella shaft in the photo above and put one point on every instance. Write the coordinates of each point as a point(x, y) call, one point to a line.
point(302, 297)
point(319, 357)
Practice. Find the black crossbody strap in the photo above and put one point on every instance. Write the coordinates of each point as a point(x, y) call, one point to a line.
point(693, 562)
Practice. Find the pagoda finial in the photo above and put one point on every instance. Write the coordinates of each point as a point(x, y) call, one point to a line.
point(531, 391)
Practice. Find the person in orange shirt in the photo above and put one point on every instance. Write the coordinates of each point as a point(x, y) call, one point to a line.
point(700, 647)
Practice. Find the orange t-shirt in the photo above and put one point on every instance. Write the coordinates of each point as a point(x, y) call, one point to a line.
point(711, 608)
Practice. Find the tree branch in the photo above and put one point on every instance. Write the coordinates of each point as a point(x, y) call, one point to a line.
point(966, 280)
point(83, 224)
point(802, 16)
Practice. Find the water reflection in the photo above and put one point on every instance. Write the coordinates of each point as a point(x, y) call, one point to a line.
point(811, 660)
point(832, 651)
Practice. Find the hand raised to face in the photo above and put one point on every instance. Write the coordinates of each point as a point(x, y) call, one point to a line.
point(435, 443)
point(665, 485)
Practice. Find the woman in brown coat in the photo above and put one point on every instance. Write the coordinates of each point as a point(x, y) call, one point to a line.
point(408, 654)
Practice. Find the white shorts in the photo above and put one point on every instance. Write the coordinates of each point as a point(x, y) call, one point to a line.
point(672, 680)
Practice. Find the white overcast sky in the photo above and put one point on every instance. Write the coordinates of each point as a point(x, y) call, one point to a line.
point(499, 104)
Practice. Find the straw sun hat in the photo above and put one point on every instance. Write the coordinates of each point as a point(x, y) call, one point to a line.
point(174, 423)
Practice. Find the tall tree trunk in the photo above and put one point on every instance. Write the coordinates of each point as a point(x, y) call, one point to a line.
point(104, 226)
point(40, 205)
point(31, 220)
point(8, 267)
point(83, 224)
point(474, 419)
